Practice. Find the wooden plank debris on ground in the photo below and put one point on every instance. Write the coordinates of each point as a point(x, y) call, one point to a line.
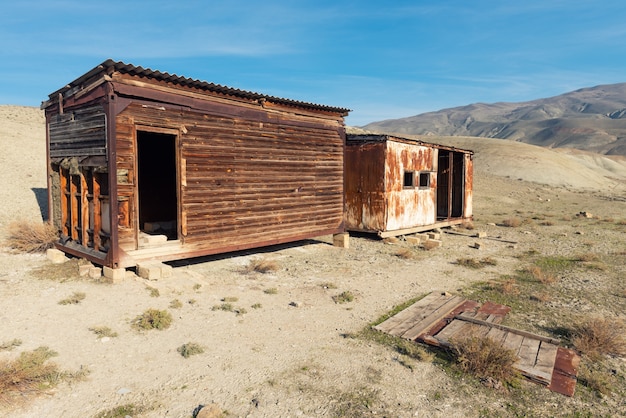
point(439, 318)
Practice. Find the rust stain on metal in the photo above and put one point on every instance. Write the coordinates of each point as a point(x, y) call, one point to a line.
point(409, 194)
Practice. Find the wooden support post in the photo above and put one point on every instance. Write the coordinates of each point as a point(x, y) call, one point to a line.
point(64, 197)
point(84, 210)
point(73, 207)
point(97, 212)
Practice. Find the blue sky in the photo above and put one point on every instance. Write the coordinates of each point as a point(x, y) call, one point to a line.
point(383, 60)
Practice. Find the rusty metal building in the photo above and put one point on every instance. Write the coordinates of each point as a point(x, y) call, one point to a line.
point(148, 165)
point(397, 186)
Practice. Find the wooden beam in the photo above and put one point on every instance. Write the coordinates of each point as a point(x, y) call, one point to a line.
point(84, 210)
point(64, 196)
point(73, 208)
point(97, 212)
point(509, 329)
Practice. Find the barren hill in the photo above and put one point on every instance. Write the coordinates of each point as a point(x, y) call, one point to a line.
point(592, 119)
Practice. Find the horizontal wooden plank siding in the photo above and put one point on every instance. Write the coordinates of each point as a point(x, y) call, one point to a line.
point(247, 181)
point(80, 132)
point(250, 181)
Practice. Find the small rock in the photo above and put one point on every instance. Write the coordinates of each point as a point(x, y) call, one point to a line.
point(123, 391)
point(579, 233)
point(295, 304)
point(491, 223)
point(209, 411)
point(105, 339)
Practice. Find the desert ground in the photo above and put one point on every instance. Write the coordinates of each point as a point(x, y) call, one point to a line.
point(284, 347)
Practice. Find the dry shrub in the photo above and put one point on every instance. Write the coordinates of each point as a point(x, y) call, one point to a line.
point(476, 264)
point(189, 349)
point(541, 297)
point(263, 265)
point(406, 254)
point(509, 287)
point(153, 319)
point(485, 358)
point(31, 237)
point(587, 257)
point(597, 337)
point(29, 373)
point(512, 222)
point(542, 276)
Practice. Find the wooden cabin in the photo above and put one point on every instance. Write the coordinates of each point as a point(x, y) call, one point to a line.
point(149, 165)
point(397, 186)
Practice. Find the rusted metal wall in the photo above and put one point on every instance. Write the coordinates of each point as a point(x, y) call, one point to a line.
point(415, 206)
point(365, 187)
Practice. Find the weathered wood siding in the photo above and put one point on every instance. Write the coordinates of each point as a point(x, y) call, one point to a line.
point(126, 152)
point(365, 187)
point(415, 206)
point(243, 180)
point(79, 132)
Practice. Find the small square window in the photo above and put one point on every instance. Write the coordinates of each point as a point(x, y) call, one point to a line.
point(409, 179)
point(424, 179)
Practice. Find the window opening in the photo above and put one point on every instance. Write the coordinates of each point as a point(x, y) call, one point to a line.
point(424, 180)
point(409, 179)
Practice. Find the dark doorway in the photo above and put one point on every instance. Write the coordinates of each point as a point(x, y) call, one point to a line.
point(450, 185)
point(158, 202)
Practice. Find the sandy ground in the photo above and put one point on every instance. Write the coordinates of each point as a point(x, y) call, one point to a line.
point(287, 355)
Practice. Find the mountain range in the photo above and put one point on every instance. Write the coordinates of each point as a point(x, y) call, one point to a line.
point(591, 119)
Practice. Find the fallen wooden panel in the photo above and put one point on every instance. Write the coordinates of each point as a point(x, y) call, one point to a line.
point(440, 319)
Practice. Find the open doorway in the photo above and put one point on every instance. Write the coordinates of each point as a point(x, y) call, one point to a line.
point(450, 185)
point(157, 184)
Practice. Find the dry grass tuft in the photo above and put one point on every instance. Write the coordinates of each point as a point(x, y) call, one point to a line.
point(10, 345)
point(263, 266)
point(31, 237)
point(29, 373)
point(587, 257)
point(103, 331)
point(476, 264)
point(74, 299)
point(344, 297)
point(406, 254)
point(509, 287)
point(484, 358)
point(598, 337)
point(189, 349)
point(541, 275)
point(513, 222)
point(153, 319)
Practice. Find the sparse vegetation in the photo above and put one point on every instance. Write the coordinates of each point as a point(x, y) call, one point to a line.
point(154, 292)
point(271, 291)
point(189, 349)
point(256, 306)
point(103, 331)
point(75, 299)
point(513, 222)
point(485, 358)
point(230, 299)
point(153, 319)
point(10, 345)
point(176, 304)
point(476, 264)
point(228, 307)
point(328, 285)
point(598, 337)
point(122, 411)
point(31, 374)
point(30, 237)
point(263, 265)
point(344, 297)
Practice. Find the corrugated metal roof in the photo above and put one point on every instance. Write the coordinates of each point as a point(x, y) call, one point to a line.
point(109, 66)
